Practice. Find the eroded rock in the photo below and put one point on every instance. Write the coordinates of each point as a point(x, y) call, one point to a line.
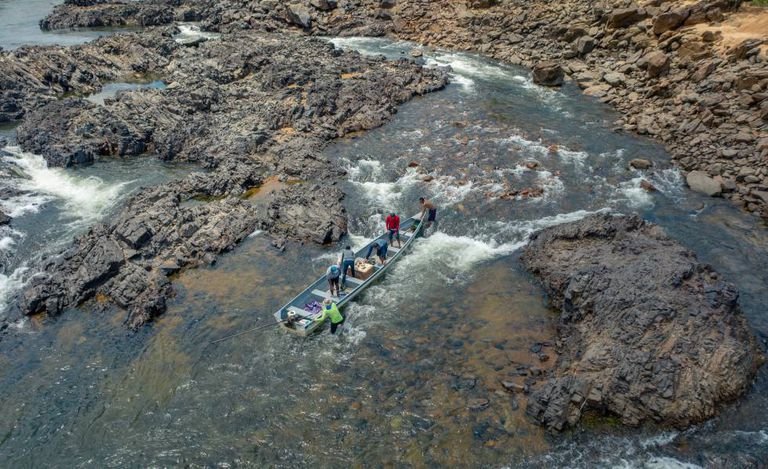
point(247, 106)
point(548, 74)
point(647, 332)
point(700, 181)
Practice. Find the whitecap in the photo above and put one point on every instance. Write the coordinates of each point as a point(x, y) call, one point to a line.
point(85, 199)
point(669, 182)
point(10, 284)
point(457, 253)
point(633, 195)
point(666, 462)
point(189, 32)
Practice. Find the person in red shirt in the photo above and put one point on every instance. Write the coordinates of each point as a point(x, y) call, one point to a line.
point(393, 226)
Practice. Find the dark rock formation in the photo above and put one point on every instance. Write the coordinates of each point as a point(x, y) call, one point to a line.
point(548, 74)
point(625, 17)
point(33, 76)
point(646, 331)
point(104, 13)
point(248, 106)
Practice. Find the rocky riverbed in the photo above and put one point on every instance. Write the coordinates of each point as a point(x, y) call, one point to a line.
point(255, 107)
point(246, 107)
point(646, 331)
point(690, 74)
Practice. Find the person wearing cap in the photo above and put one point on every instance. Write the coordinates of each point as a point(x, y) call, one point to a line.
point(331, 311)
point(332, 274)
point(393, 227)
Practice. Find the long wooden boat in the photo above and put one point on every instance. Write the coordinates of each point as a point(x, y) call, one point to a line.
point(305, 323)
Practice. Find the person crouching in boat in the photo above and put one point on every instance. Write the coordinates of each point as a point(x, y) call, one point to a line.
point(332, 274)
point(381, 250)
point(331, 311)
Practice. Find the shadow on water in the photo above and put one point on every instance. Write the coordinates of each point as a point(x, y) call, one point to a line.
point(417, 377)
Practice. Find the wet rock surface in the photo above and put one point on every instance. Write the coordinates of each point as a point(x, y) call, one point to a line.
point(245, 107)
point(31, 77)
point(646, 331)
point(102, 13)
point(665, 65)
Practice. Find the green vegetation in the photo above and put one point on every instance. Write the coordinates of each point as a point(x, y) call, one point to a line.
point(762, 3)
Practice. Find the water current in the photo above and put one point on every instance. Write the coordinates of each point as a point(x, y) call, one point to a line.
point(414, 380)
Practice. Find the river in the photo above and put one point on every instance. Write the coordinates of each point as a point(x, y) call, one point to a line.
point(424, 349)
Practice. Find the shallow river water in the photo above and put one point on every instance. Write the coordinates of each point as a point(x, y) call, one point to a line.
point(415, 379)
point(19, 20)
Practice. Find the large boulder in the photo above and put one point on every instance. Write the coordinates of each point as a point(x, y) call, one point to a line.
point(700, 181)
point(668, 21)
point(656, 63)
point(626, 17)
point(299, 15)
point(548, 74)
point(646, 332)
point(584, 45)
point(324, 5)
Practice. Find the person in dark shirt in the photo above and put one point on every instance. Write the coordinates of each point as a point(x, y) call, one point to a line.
point(381, 250)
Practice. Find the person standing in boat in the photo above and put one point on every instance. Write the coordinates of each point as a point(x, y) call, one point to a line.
point(347, 262)
point(331, 310)
point(332, 274)
point(393, 227)
point(428, 207)
point(381, 250)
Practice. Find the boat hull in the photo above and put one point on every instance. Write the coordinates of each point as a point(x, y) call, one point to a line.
point(305, 324)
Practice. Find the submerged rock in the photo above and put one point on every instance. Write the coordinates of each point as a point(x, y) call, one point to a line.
point(639, 163)
point(647, 332)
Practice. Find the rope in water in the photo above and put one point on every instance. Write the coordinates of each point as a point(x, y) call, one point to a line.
point(253, 329)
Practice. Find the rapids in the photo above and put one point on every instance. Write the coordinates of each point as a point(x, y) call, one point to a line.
point(455, 316)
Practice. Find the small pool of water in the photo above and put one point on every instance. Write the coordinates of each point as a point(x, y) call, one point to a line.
point(110, 90)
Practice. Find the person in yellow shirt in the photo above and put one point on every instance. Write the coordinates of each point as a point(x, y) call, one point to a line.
point(331, 311)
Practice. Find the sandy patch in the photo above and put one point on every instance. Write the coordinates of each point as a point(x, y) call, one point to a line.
point(750, 22)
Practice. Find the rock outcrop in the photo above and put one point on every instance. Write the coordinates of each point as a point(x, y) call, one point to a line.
point(548, 74)
point(103, 13)
point(699, 181)
point(246, 107)
point(646, 331)
point(682, 80)
point(31, 77)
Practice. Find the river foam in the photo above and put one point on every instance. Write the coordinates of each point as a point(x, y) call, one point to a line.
point(82, 199)
point(190, 32)
point(67, 202)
